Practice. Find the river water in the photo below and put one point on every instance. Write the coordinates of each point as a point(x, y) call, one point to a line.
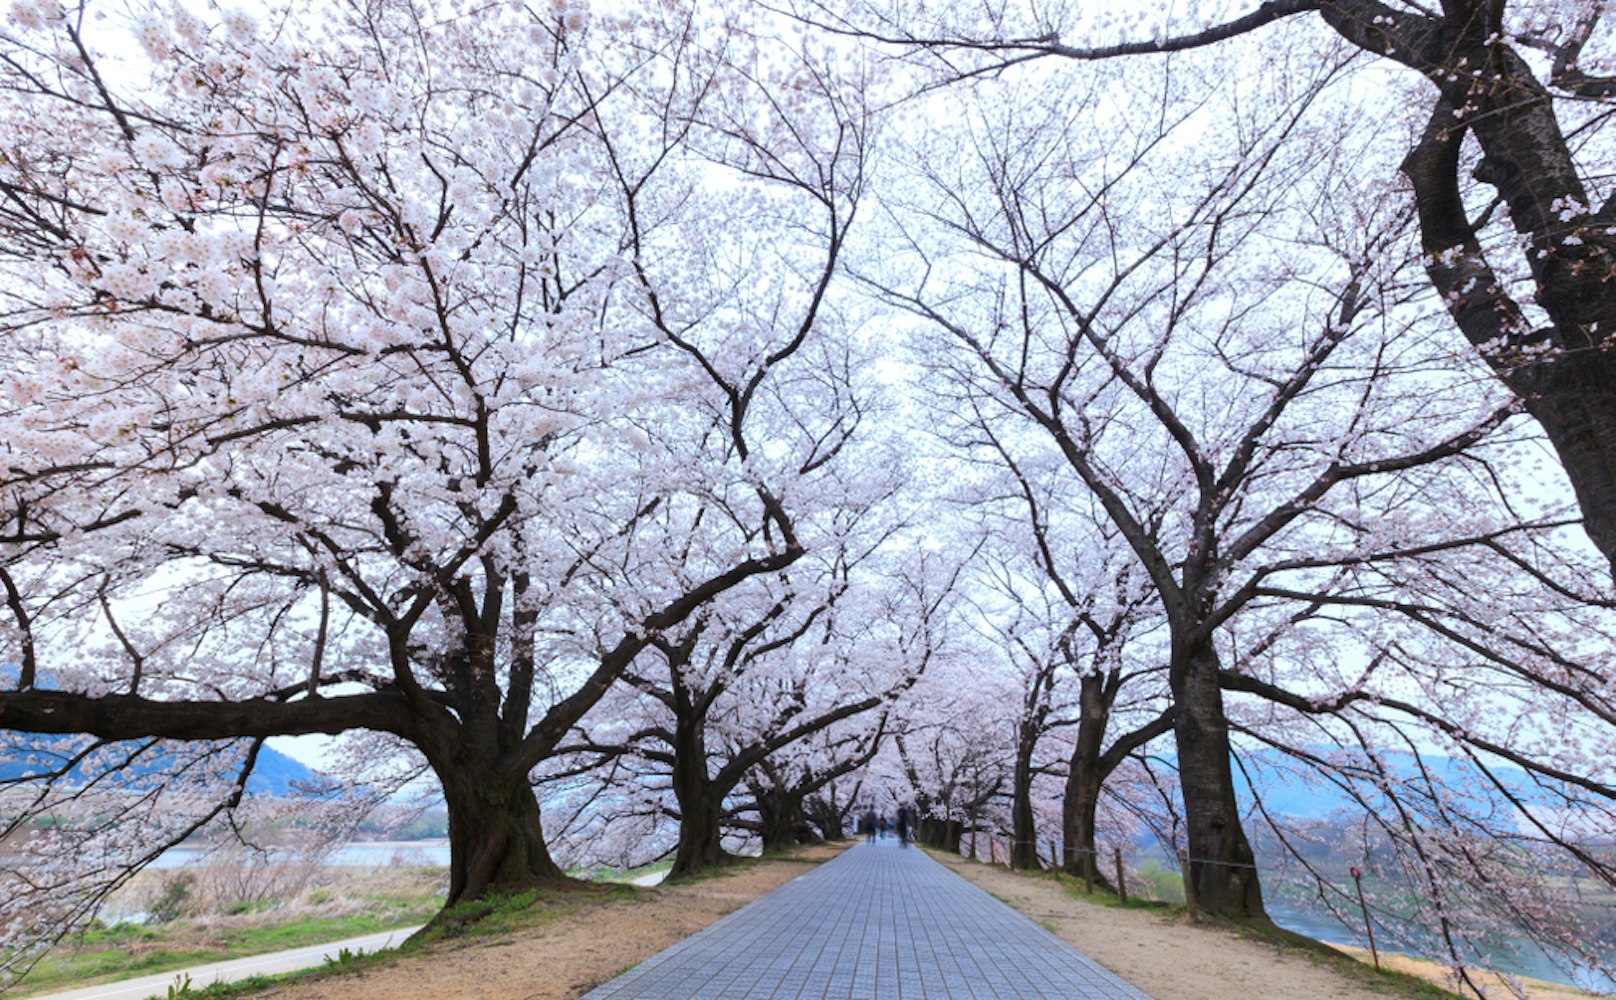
point(378, 854)
point(1523, 958)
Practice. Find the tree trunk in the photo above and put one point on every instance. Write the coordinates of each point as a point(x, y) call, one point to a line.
point(1023, 831)
point(1222, 864)
point(823, 812)
point(782, 819)
point(700, 844)
point(700, 804)
point(496, 840)
point(1491, 91)
point(700, 838)
point(1080, 804)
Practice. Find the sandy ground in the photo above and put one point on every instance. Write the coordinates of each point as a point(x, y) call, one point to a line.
point(1168, 958)
point(566, 957)
point(1495, 984)
point(1172, 959)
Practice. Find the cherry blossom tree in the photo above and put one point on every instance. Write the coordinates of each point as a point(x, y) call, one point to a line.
point(780, 670)
point(1515, 96)
point(1161, 362)
point(1074, 597)
point(406, 370)
point(1454, 697)
point(1035, 654)
point(880, 640)
point(950, 752)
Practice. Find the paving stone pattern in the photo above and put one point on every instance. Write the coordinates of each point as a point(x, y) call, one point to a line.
point(879, 922)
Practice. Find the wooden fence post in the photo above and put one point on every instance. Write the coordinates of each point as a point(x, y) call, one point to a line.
point(1189, 883)
point(1357, 880)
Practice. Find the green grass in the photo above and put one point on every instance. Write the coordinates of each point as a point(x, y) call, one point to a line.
point(125, 951)
point(503, 914)
point(487, 917)
point(629, 875)
point(1074, 886)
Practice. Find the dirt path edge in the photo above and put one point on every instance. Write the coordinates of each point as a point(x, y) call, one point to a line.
point(569, 950)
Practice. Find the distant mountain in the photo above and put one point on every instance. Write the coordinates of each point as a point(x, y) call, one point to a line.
point(24, 756)
point(276, 774)
point(1286, 793)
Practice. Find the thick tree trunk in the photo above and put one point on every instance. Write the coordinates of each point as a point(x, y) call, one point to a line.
point(1564, 373)
point(700, 844)
point(700, 805)
point(1080, 804)
point(1080, 857)
point(1491, 91)
point(700, 837)
point(496, 840)
point(1023, 831)
point(782, 820)
point(1222, 864)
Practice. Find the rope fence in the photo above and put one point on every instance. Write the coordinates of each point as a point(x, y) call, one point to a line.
point(1090, 871)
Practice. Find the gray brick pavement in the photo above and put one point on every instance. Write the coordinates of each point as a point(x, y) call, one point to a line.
point(877, 923)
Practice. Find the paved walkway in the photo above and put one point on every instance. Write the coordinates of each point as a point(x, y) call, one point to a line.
point(877, 923)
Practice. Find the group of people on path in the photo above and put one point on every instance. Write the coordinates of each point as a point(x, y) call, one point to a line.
point(876, 825)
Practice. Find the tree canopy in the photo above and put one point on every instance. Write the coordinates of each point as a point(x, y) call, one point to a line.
point(675, 426)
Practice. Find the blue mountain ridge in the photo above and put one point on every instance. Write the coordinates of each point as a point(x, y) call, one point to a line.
point(21, 756)
point(1287, 794)
point(24, 756)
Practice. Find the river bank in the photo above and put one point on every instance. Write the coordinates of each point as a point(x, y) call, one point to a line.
point(336, 904)
point(1498, 984)
point(355, 854)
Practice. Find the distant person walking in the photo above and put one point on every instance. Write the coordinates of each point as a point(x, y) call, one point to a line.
point(867, 821)
point(903, 826)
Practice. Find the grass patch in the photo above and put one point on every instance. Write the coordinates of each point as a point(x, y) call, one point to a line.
point(342, 906)
point(125, 951)
point(630, 874)
point(505, 913)
point(1385, 981)
point(1074, 887)
point(491, 916)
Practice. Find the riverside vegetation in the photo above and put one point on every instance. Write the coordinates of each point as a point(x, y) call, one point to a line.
point(177, 918)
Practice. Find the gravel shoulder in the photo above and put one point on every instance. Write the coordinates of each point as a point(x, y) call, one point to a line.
point(1165, 955)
